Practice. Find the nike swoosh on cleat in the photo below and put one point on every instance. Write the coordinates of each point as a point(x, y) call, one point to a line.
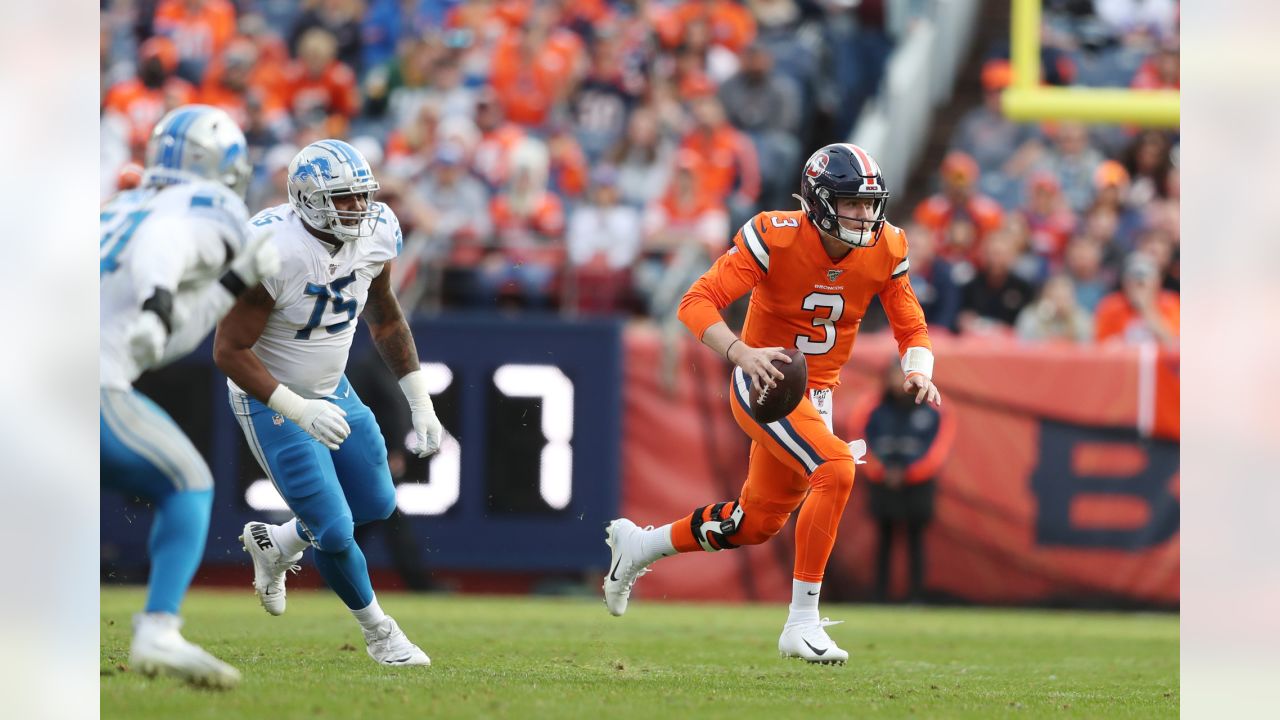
point(613, 574)
point(815, 650)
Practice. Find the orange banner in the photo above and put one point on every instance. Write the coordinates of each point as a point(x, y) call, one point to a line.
point(1062, 486)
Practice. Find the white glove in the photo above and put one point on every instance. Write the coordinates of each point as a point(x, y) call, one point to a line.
point(321, 419)
point(146, 337)
point(426, 426)
point(259, 260)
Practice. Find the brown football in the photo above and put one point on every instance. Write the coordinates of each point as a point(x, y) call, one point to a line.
point(775, 403)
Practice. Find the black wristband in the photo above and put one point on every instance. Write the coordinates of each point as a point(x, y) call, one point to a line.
point(233, 283)
point(726, 350)
point(161, 303)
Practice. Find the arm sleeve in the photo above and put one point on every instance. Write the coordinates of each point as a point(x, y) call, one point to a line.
point(741, 268)
point(904, 313)
point(195, 312)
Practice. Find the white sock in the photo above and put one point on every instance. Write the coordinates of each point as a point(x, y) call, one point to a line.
point(656, 543)
point(804, 602)
point(286, 538)
point(370, 616)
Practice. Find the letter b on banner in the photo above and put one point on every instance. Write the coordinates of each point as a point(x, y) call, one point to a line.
point(1104, 488)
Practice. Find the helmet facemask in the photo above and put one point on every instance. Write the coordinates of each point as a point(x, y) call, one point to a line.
point(867, 231)
point(348, 225)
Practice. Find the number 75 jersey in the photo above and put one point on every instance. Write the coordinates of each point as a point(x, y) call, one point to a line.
point(802, 298)
point(318, 299)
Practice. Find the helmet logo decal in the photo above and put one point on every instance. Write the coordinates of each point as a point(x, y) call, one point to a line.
point(817, 166)
point(318, 168)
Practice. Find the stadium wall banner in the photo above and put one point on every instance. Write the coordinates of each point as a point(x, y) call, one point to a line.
point(1061, 488)
point(525, 480)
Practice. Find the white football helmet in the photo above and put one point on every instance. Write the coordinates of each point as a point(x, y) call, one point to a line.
point(326, 169)
point(197, 142)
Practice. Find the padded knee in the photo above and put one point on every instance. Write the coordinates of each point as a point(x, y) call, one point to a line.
point(713, 525)
point(834, 476)
point(336, 536)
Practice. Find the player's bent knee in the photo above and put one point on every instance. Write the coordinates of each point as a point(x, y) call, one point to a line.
point(377, 508)
point(719, 526)
point(336, 536)
point(836, 475)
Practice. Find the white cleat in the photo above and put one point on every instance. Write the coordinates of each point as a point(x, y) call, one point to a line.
point(158, 648)
point(810, 642)
point(623, 538)
point(388, 645)
point(269, 566)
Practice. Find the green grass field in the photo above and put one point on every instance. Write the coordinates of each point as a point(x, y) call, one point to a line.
point(567, 658)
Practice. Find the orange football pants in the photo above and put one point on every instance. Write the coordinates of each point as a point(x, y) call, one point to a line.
point(792, 458)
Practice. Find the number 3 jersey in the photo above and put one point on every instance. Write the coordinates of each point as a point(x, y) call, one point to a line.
point(318, 299)
point(801, 297)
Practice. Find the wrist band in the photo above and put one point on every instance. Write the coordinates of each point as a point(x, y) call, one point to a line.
point(726, 350)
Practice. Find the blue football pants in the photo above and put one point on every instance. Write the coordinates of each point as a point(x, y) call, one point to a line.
point(329, 491)
point(145, 455)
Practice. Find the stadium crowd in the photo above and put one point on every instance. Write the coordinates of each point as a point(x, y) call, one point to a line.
point(593, 156)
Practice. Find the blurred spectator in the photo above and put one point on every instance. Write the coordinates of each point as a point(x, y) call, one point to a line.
point(228, 84)
point(1111, 186)
point(1056, 315)
point(729, 168)
point(411, 146)
point(1050, 221)
point(1160, 245)
point(1139, 21)
point(270, 72)
point(535, 65)
point(398, 88)
point(341, 18)
point(1073, 160)
point(766, 105)
point(1148, 161)
point(448, 91)
point(529, 225)
point(568, 163)
point(200, 29)
point(380, 31)
point(682, 231)
point(931, 280)
point(603, 242)
point(988, 136)
point(498, 138)
point(457, 224)
point(604, 98)
point(1139, 311)
point(991, 301)
point(143, 100)
point(320, 85)
point(643, 158)
point(959, 199)
point(727, 23)
point(1088, 276)
point(907, 445)
point(1160, 71)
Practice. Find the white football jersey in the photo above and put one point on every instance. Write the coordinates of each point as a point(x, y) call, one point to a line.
point(319, 298)
point(179, 238)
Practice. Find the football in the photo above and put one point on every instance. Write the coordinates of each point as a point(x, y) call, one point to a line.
point(773, 404)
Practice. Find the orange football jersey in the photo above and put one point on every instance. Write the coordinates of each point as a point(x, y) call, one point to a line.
point(804, 299)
